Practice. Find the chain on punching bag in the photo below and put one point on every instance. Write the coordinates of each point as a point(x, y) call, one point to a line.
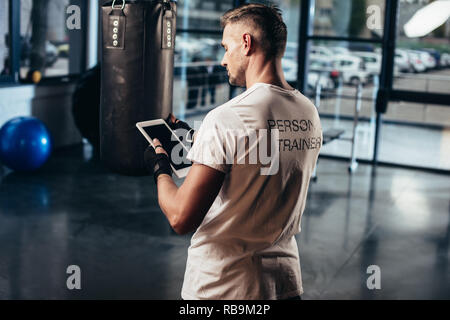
point(137, 77)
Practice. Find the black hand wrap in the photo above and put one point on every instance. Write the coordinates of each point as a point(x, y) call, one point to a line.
point(178, 124)
point(157, 163)
point(181, 125)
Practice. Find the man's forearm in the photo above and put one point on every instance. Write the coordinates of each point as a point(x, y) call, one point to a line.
point(167, 194)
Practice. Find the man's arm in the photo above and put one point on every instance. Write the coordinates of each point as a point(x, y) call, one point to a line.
point(186, 206)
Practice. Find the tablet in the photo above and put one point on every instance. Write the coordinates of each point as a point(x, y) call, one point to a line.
point(174, 147)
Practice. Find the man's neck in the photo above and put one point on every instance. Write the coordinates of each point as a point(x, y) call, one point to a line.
point(270, 72)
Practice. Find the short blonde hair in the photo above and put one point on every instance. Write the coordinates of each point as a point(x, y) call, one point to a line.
point(269, 22)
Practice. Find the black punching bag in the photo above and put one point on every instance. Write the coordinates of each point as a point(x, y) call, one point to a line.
point(136, 77)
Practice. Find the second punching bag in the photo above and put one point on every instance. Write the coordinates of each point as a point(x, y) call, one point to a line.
point(136, 79)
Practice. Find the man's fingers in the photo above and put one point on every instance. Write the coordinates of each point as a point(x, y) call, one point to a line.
point(158, 150)
point(156, 142)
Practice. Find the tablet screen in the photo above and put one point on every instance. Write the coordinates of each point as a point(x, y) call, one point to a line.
point(164, 135)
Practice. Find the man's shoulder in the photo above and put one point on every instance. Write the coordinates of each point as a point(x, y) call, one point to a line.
point(222, 114)
point(245, 98)
point(226, 109)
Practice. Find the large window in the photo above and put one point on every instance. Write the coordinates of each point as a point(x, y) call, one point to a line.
point(200, 82)
point(343, 55)
point(415, 130)
point(422, 60)
point(335, 71)
point(339, 66)
point(47, 43)
point(343, 42)
point(5, 65)
point(48, 36)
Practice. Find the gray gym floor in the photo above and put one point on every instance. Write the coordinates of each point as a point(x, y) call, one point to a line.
point(75, 212)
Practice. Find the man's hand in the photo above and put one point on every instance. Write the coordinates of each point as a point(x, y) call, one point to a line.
point(157, 160)
point(160, 149)
point(176, 124)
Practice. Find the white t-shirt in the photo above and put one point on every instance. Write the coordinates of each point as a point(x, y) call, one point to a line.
point(245, 247)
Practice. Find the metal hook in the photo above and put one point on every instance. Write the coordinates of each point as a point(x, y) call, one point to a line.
point(123, 4)
point(166, 5)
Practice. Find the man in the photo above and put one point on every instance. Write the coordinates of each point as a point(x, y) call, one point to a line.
point(245, 214)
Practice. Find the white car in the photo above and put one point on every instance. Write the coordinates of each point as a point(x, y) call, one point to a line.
point(321, 51)
point(371, 60)
point(416, 61)
point(352, 69)
point(322, 78)
point(428, 60)
point(324, 65)
point(402, 61)
point(445, 60)
point(290, 73)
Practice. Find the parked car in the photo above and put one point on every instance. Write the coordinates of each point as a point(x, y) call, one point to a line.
point(416, 61)
point(352, 69)
point(290, 69)
point(322, 78)
point(372, 61)
point(321, 51)
point(445, 60)
point(435, 54)
point(357, 46)
point(427, 59)
point(323, 64)
point(403, 61)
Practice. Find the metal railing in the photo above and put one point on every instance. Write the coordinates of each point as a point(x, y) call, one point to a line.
point(358, 99)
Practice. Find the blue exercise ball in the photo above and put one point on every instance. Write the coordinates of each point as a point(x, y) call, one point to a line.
point(25, 144)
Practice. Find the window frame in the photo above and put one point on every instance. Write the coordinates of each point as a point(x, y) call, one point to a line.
point(15, 47)
point(14, 42)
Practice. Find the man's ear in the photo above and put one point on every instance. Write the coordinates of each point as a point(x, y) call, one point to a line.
point(247, 42)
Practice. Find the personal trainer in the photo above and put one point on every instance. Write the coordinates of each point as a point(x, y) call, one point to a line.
point(245, 219)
